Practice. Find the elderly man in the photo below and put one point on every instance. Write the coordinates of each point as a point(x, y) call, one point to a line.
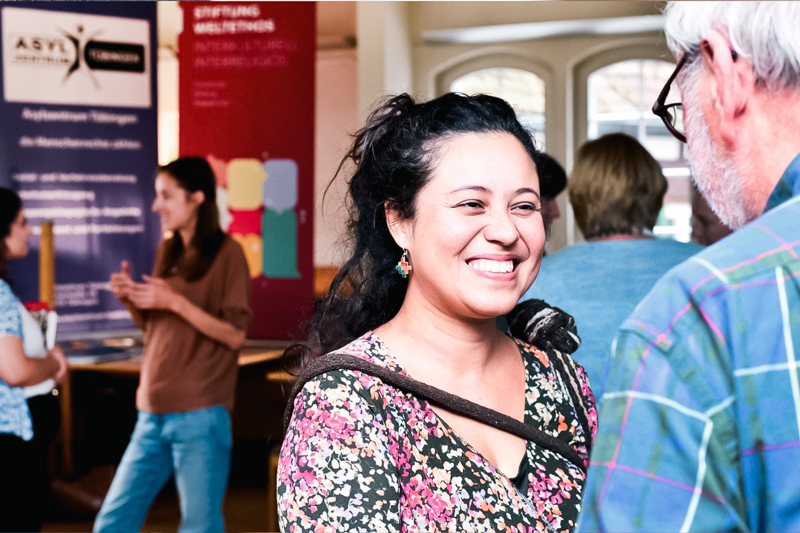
point(700, 421)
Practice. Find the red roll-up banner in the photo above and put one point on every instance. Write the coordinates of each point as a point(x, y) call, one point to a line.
point(247, 105)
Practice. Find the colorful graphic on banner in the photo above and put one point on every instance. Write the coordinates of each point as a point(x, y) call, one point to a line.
point(247, 105)
point(78, 143)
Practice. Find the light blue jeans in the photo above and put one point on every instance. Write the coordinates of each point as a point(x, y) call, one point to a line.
point(194, 446)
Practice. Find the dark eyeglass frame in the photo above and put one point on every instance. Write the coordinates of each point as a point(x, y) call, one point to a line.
point(661, 109)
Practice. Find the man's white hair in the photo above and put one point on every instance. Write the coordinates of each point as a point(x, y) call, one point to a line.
point(766, 34)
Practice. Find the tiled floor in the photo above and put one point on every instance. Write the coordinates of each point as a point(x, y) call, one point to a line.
point(245, 510)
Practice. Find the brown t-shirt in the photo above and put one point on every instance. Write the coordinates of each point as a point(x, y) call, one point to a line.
point(182, 368)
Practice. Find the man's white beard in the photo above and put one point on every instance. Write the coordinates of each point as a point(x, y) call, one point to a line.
point(715, 175)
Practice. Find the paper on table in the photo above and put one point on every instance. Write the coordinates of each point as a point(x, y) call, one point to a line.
point(100, 354)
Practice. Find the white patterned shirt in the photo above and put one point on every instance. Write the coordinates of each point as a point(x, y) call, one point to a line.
point(14, 415)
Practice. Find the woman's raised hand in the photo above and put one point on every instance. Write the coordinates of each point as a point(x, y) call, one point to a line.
point(154, 293)
point(121, 282)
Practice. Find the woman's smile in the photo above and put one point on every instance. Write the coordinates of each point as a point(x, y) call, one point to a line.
point(495, 267)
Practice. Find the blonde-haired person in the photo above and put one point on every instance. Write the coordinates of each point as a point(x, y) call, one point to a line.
point(616, 189)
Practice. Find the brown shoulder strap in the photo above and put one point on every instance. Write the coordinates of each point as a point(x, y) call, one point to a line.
point(451, 402)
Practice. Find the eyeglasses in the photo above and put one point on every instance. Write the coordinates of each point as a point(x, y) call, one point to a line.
point(672, 114)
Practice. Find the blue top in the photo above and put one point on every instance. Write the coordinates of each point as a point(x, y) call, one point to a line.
point(700, 422)
point(599, 284)
point(14, 415)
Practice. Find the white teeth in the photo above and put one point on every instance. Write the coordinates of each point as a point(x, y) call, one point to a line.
point(486, 265)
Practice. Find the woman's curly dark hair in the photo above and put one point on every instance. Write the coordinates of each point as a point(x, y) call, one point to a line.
point(394, 156)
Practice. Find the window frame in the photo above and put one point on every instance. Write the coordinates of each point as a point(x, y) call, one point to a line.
point(594, 63)
point(494, 59)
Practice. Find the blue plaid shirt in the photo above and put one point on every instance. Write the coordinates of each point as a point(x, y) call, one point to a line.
point(700, 421)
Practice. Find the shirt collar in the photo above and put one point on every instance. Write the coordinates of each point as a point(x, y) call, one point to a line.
point(788, 186)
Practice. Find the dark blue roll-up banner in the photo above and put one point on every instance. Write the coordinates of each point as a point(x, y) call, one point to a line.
point(78, 142)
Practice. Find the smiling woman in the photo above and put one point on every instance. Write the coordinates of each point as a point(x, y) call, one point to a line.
point(451, 186)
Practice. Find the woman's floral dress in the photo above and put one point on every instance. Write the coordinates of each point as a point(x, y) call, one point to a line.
point(363, 456)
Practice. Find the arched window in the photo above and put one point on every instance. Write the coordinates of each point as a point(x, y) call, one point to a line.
point(522, 89)
point(620, 100)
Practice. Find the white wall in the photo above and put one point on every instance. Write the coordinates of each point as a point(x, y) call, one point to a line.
point(169, 25)
point(449, 15)
point(384, 52)
point(337, 117)
point(168, 95)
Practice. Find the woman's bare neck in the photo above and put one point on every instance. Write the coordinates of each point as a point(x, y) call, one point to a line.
point(186, 236)
point(437, 348)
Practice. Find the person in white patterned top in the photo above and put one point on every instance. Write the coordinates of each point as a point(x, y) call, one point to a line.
point(23, 474)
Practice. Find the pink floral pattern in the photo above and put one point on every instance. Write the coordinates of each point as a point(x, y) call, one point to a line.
point(362, 456)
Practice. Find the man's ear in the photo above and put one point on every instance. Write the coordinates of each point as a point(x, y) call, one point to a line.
point(399, 227)
point(732, 87)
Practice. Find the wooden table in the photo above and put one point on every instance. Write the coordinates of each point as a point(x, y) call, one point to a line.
point(267, 353)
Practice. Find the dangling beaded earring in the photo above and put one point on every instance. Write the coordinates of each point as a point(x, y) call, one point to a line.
point(402, 266)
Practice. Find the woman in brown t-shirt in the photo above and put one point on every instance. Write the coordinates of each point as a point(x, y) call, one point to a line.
point(194, 312)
